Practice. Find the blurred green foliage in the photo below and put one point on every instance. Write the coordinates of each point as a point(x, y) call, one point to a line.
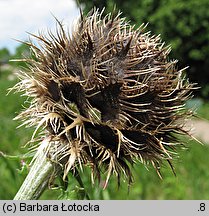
point(11, 139)
point(183, 24)
point(4, 56)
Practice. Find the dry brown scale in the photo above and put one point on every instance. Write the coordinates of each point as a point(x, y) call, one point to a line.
point(107, 93)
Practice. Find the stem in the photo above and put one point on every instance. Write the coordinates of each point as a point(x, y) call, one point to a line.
point(41, 171)
point(37, 178)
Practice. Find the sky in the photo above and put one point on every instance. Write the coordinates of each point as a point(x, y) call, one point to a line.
point(17, 17)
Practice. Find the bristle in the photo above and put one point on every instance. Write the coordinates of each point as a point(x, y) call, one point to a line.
point(108, 92)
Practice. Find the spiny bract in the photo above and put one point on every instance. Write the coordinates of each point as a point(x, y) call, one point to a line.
point(107, 93)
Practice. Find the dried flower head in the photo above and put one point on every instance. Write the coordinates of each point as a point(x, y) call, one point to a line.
point(107, 96)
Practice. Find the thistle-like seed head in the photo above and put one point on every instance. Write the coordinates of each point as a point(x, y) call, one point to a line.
point(107, 96)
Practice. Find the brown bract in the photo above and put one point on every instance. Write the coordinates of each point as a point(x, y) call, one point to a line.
point(108, 92)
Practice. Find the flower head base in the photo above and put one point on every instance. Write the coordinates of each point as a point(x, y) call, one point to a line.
point(106, 97)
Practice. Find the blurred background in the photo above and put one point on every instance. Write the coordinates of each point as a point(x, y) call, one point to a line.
point(182, 24)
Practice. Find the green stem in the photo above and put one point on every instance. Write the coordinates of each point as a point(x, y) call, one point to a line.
point(38, 177)
point(41, 172)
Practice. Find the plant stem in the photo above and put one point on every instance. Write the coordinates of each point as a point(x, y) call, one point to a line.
point(42, 171)
point(37, 178)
